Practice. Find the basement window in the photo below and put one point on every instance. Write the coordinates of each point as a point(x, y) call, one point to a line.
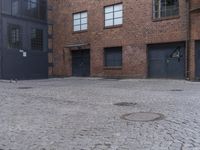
point(113, 15)
point(113, 57)
point(80, 21)
point(165, 8)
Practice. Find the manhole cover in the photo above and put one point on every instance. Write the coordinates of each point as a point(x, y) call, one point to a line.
point(24, 88)
point(125, 104)
point(142, 116)
point(176, 90)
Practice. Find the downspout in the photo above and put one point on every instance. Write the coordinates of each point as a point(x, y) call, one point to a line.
point(188, 39)
point(1, 41)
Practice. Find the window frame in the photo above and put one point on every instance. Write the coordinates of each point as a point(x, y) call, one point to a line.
point(106, 66)
point(87, 23)
point(114, 26)
point(154, 18)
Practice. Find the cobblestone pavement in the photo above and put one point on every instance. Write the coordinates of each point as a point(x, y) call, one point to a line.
point(79, 114)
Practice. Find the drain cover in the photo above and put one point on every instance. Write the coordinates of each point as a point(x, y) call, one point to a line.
point(125, 104)
point(24, 88)
point(142, 116)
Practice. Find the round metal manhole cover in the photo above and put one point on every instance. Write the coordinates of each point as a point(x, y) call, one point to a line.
point(125, 104)
point(24, 88)
point(143, 116)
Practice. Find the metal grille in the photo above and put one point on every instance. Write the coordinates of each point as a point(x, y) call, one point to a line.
point(165, 8)
point(37, 39)
point(14, 36)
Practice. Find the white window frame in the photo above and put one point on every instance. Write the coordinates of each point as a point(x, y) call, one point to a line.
point(80, 21)
point(113, 15)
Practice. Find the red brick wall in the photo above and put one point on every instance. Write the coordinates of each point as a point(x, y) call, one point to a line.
point(138, 30)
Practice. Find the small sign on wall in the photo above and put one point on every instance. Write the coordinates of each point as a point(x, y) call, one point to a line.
point(24, 54)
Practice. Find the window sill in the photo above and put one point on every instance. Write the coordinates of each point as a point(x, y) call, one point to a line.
point(113, 68)
point(77, 32)
point(165, 18)
point(111, 27)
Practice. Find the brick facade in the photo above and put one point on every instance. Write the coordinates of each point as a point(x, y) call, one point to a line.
point(138, 30)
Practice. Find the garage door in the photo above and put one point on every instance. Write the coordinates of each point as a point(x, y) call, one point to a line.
point(81, 63)
point(166, 61)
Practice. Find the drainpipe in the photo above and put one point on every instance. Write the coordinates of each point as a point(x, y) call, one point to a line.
point(1, 41)
point(188, 39)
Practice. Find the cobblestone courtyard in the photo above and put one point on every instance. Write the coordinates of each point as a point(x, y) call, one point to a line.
point(79, 114)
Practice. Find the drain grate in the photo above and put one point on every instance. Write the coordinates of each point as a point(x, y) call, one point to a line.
point(24, 88)
point(142, 116)
point(125, 104)
point(176, 90)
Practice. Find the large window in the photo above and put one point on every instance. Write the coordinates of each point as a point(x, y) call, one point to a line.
point(165, 8)
point(37, 39)
point(15, 7)
point(113, 15)
point(113, 57)
point(26, 8)
point(14, 36)
point(80, 21)
point(35, 9)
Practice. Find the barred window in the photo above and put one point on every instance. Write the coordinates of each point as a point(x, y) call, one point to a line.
point(14, 36)
point(37, 39)
point(80, 21)
point(113, 15)
point(113, 57)
point(165, 8)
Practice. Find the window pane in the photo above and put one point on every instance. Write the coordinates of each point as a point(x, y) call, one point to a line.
point(84, 21)
point(77, 16)
point(108, 16)
point(118, 7)
point(77, 28)
point(108, 9)
point(109, 23)
point(84, 27)
point(118, 14)
point(118, 21)
point(84, 15)
point(77, 22)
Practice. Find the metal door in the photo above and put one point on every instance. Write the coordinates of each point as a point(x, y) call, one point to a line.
point(81, 63)
point(21, 61)
point(197, 61)
point(167, 61)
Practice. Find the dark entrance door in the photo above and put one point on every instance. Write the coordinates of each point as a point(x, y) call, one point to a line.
point(167, 61)
point(197, 55)
point(22, 57)
point(81, 63)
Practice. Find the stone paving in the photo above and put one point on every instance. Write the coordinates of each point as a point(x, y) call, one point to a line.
point(79, 114)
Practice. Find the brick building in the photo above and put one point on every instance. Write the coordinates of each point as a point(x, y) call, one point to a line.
point(125, 38)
